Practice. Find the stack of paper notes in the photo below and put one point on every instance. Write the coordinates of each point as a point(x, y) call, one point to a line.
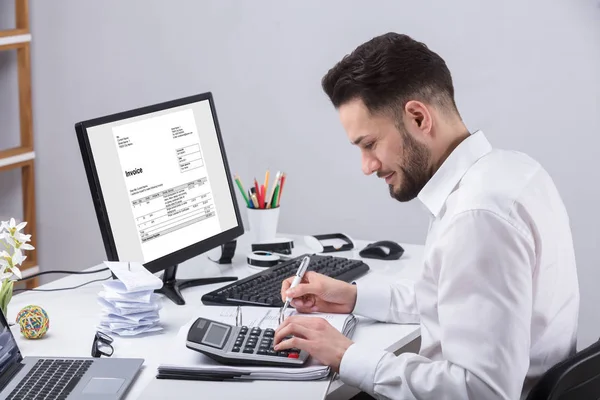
point(187, 362)
point(129, 304)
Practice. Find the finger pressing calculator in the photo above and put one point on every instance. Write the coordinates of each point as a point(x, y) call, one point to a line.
point(240, 345)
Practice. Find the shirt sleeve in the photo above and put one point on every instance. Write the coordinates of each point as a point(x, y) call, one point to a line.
point(392, 303)
point(484, 310)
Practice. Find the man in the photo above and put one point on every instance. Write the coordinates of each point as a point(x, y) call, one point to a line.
point(498, 297)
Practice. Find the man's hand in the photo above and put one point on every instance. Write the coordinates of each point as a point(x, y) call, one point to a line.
point(314, 335)
point(320, 293)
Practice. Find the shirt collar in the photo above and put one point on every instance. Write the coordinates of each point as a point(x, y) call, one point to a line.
point(442, 183)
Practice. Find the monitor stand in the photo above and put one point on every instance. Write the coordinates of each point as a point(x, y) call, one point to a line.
point(172, 287)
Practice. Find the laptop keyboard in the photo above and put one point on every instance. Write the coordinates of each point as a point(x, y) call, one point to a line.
point(51, 379)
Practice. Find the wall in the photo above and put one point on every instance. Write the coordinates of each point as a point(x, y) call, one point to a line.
point(525, 72)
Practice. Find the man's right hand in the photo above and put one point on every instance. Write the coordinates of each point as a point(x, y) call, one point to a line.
point(320, 293)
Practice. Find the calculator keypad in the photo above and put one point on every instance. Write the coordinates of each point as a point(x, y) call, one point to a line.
point(258, 341)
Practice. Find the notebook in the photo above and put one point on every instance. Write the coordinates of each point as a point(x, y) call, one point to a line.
point(184, 360)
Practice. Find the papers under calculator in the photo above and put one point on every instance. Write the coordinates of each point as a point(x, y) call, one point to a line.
point(183, 360)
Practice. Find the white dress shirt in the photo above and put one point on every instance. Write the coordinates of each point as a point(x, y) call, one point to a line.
point(498, 297)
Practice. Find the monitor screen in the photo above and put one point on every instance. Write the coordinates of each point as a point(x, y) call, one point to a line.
point(163, 182)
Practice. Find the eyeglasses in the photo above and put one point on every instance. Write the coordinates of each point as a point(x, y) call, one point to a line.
point(102, 345)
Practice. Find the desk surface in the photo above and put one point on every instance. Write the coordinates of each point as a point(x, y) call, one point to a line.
point(74, 315)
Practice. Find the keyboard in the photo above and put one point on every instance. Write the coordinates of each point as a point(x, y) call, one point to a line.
point(264, 288)
point(50, 379)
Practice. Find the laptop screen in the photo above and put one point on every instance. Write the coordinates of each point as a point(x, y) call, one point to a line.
point(9, 351)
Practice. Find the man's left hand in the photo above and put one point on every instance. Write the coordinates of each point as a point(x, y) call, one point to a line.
point(314, 335)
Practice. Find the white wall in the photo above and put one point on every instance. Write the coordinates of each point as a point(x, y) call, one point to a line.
point(526, 72)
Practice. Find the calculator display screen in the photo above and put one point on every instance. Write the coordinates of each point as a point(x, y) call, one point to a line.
point(215, 335)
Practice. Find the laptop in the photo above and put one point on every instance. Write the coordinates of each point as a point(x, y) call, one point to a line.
point(61, 377)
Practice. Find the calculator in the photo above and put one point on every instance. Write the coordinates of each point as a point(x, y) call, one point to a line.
point(240, 345)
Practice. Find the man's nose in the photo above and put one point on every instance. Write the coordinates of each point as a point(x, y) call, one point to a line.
point(369, 164)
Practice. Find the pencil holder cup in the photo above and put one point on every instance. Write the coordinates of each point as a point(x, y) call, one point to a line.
point(263, 223)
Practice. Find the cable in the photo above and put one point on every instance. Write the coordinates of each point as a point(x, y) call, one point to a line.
point(63, 272)
point(67, 288)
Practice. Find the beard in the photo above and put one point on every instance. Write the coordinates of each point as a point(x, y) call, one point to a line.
point(414, 168)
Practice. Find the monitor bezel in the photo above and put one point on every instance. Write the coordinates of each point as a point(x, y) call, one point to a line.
point(186, 253)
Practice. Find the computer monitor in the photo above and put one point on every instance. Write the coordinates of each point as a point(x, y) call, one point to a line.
point(161, 186)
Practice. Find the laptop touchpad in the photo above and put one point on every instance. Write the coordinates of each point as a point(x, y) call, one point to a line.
point(103, 386)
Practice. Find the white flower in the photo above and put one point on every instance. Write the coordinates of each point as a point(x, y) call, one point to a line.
point(17, 272)
point(17, 241)
point(18, 258)
point(6, 225)
point(12, 226)
point(4, 257)
point(9, 239)
point(22, 237)
point(4, 275)
point(20, 226)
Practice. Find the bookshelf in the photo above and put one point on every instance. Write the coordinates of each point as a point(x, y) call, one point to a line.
point(23, 156)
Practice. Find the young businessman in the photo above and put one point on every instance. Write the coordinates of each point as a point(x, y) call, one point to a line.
point(498, 297)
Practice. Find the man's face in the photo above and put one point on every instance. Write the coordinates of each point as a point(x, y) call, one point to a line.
point(392, 153)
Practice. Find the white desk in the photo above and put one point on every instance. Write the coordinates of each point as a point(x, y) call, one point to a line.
point(74, 315)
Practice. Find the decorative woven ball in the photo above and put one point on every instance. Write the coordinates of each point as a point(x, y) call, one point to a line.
point(34, 322)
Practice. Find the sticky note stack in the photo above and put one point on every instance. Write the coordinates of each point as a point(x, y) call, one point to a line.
point(129, 305)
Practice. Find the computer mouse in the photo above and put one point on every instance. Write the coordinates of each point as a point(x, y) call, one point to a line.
point(382, 250)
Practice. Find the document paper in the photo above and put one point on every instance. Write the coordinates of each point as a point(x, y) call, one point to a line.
point(170, 196)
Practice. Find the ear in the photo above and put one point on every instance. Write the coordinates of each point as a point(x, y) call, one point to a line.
point(419, 119)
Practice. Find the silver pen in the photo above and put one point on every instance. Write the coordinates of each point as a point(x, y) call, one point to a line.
point(299, 275)
point(238, 316)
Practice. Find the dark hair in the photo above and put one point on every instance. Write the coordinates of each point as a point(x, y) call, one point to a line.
point(388, 71)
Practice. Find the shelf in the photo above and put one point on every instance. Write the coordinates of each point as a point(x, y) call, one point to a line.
point(14, 158)
point(9, 42)
point(23, 156)
point(13, 32)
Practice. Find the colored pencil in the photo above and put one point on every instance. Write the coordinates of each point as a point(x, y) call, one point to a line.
point(239, 184)
point(275, 196)
point(281, 188)
point(266, 183)
point(270, 199)
point(257, 192)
